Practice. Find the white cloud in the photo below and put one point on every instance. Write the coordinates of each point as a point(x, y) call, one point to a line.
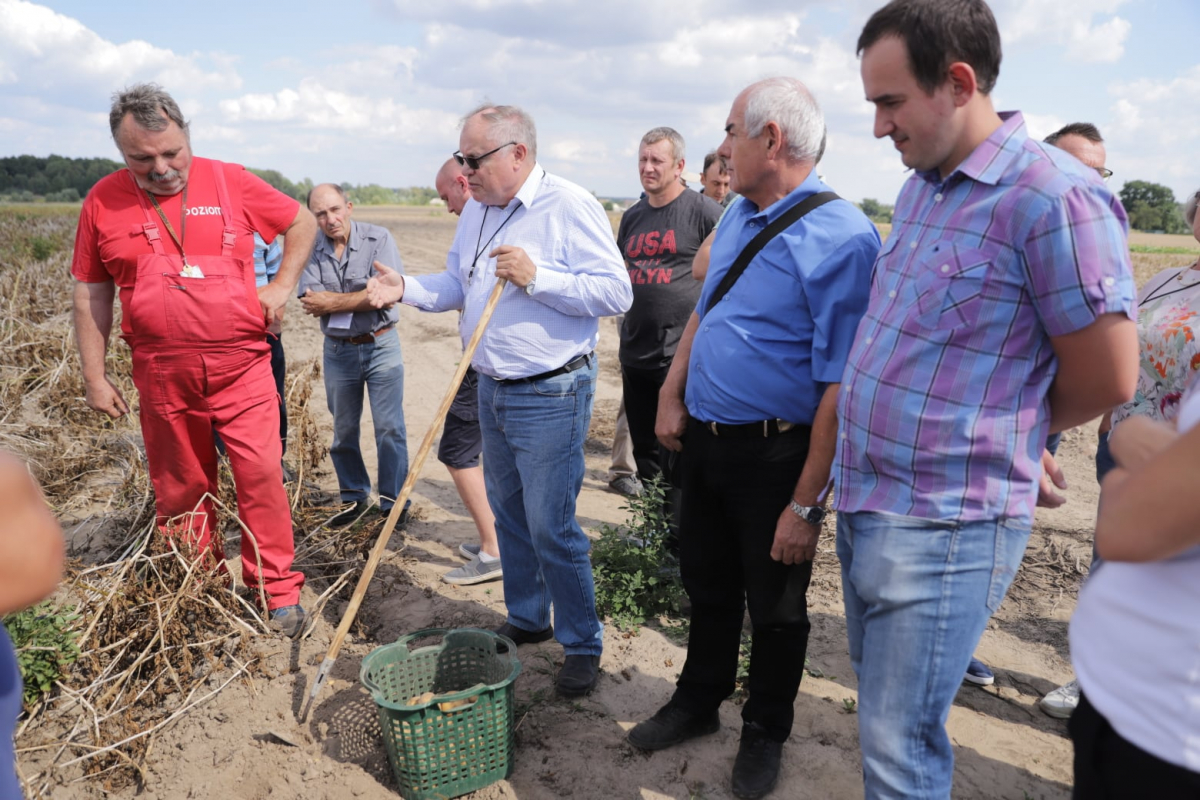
point(40, 48)
point(1152, 133)
point(1069, 25)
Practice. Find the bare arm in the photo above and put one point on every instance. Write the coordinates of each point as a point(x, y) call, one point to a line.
point(318, 304)
point(700, 262)
point(31, 543)
point(1097, 370)
point(796, 539)
point(672, 413)
point(297, 245)
point(93, 304)
point(1148, 510)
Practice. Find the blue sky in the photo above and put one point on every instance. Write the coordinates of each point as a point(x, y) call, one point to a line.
point(370, 91)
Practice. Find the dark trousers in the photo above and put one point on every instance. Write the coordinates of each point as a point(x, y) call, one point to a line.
point(278, 370)
point(734, 490)
point(640, 389)
point(1108, 767)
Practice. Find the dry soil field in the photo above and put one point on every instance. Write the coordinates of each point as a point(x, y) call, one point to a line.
point(221, 743)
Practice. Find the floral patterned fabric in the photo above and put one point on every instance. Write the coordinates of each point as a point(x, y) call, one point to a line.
point(1169, 354)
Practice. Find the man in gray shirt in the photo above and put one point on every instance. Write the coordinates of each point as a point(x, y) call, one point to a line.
point(362, 348)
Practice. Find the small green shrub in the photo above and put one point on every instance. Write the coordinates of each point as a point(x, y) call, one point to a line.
point(41, 248)
point(636, 575)
point(46, 644)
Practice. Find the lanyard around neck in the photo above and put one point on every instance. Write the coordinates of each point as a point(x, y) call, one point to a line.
point(182, 222)
point(479, 250)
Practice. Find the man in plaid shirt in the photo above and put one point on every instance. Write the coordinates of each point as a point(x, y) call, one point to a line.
point(1000, 311)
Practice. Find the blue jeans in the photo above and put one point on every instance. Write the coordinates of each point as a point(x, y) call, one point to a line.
point(533, 436)
point(918, 595)
point(379, 367)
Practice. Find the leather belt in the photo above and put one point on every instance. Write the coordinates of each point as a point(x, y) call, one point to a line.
point(750, 430)
point(570, 366)
point(366, 338)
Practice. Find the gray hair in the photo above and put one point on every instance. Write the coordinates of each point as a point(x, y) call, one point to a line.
point(152, 108)
point(1189, 208)
point(507, 124)
point(656, 135)
point(788, 103)
point(337, 188)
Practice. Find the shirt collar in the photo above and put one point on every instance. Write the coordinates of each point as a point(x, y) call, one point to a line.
point(353, 241)
point(810, 186)
point(993, 156)
point(529, 189)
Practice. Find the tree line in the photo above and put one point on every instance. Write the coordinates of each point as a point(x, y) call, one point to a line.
point(58, 179)
point(1151, 206)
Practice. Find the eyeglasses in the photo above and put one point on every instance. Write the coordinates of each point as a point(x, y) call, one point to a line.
point(1105, 172)
point(474, 161)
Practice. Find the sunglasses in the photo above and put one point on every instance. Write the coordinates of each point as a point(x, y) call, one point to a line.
point(1105, 172)
point(473, 162)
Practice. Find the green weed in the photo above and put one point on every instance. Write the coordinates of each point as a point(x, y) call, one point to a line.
point(636, 576)
point(46, 645)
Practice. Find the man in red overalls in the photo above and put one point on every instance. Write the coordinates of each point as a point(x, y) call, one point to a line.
point(176, 235)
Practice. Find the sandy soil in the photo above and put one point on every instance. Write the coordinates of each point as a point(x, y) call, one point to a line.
point(1004, 746)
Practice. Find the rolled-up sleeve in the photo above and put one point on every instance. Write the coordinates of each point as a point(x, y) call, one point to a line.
point(589, 279)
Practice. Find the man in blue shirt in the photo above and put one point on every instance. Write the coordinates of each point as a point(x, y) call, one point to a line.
point(751, 402)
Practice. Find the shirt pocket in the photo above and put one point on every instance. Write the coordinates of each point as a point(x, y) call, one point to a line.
point(949, 286)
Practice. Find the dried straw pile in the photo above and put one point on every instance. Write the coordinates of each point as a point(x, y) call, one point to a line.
point(160, 632)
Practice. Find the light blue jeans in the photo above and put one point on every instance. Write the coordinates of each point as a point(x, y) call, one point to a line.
point(533, 436)
point(918, 595)
point(379, 368)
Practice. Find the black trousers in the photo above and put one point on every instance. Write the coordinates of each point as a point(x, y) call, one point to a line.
point(734, 490)
point(1109, 767)
point(640, 389)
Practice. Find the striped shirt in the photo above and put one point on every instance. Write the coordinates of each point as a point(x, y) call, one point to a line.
point(580, 277)
point(943, 407)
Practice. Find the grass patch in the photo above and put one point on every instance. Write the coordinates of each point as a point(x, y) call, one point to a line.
point(1156, 250)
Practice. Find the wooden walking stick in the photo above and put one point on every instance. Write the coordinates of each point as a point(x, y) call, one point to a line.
point(414, 471)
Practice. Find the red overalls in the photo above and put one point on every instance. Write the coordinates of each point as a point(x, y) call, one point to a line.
point(201, 361)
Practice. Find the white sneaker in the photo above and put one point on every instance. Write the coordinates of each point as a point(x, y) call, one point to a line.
point(1061, 703)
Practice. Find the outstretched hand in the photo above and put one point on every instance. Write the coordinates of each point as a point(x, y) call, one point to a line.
point(385, 287)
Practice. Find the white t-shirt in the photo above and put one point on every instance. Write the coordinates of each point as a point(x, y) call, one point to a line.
point(1135, 645)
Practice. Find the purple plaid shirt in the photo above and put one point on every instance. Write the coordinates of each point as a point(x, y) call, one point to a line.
point(943, 404)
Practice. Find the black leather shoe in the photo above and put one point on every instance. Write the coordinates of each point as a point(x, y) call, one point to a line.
point(521, 636)
point(578, 675)
point(350, 515)
point(756, 768)
point(670, 726)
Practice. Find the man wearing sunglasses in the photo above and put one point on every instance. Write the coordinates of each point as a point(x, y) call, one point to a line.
point(553, 244)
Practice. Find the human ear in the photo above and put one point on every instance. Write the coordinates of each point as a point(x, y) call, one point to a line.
point(963, 84)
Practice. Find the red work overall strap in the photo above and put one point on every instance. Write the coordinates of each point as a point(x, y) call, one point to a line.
point(150, 229)
point(229, 235)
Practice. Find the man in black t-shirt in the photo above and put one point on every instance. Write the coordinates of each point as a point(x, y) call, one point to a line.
point(658, 238)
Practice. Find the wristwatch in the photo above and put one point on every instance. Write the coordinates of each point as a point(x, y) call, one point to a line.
point(813, 515)
point(529, 286)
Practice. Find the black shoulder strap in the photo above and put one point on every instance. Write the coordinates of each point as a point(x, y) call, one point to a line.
point(781, 223)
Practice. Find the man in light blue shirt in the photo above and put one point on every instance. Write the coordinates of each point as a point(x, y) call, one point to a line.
point(553, 243)
point(267, 258)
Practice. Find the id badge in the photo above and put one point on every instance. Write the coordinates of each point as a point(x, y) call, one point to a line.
point(341, 320)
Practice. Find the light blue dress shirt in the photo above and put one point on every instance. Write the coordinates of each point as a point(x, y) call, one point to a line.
point(580, 277)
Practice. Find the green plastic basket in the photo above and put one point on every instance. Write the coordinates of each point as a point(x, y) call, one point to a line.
point(439, 754)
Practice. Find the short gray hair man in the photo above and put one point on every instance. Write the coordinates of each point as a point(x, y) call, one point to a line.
point(507, 123)
point(655, 135)
point(788, 103)
point(149, 105)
